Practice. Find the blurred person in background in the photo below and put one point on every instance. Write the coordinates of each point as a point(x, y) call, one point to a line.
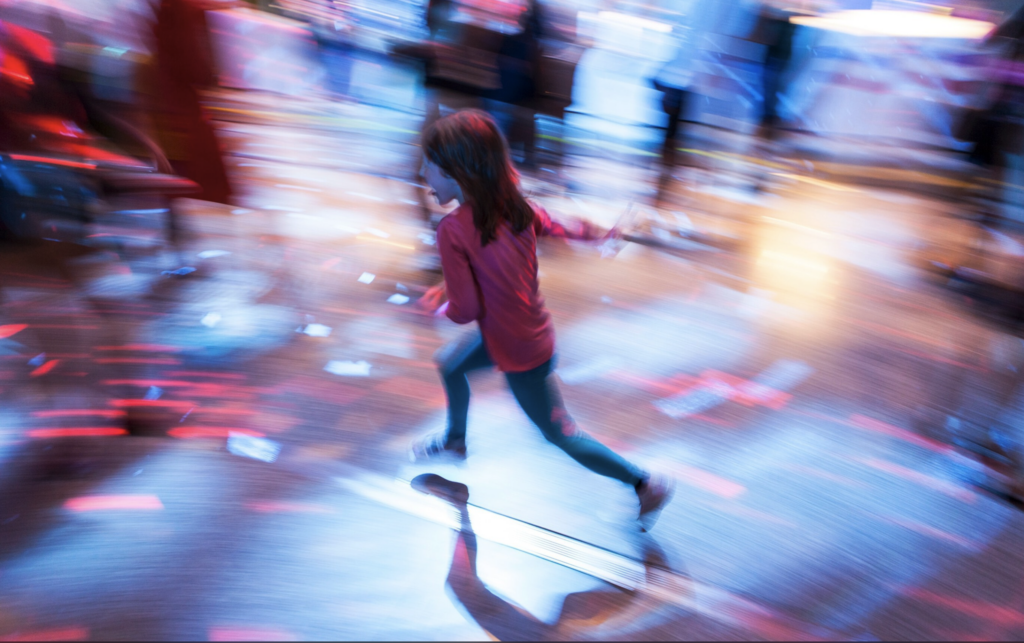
point(992, 272)
point(333, 27)
point(488, 248)
point(459, 63)
point(775, 32)
point(182, 69)
point(100, 72)
point(437, 17)
point(996, 129)
point(461, 59)
point(673, 80)
point(559, 54)
point(677, 78)
point(513, 103)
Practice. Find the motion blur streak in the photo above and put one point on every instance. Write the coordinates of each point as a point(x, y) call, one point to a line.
point(114, 503)
point(785, 275)
point(72, 432)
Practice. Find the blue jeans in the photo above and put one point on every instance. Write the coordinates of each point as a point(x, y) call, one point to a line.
point(538, 395)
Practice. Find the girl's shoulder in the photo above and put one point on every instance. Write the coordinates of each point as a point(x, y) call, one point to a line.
point(457, 220)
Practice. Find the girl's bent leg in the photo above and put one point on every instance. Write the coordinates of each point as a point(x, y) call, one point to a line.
point(454, 361)
point(537, 393)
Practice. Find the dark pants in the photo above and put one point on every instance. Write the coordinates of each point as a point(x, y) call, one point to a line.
point(771, 87)
point(337, 58)
point(673, 103)
point(538, 395)
point(519, 125)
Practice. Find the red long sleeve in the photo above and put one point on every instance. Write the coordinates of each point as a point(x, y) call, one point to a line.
point(497, 286)
point(464, 303)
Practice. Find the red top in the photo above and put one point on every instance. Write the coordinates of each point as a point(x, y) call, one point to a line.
point(497, 285)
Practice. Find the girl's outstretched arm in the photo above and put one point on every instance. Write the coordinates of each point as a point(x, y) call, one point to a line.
point(578, 229)
point(463, 295)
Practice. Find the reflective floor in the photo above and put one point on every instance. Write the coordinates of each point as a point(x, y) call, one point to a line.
point(781, 352)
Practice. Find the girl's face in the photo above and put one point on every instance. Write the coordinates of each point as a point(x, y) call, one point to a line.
point(443, 187)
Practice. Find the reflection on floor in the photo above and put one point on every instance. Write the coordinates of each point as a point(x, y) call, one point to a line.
point(776, 372)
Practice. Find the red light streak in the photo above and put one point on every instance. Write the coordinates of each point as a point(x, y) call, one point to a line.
point(148, 383)
point(978, 609)
point(37, 44)
point(66, 634)
point(871, 424)
point(270, 506)
point(77, 413)
point(66, 326)
point(932, 532)
point(45, 368)
point(225, 376)
point(10, 330)
point(708, 481)
point(94, 431)
point(249, 634)
point(109, 503)
point(942, 486)
point(14, 68)
point(159, 404)
point(51, 161)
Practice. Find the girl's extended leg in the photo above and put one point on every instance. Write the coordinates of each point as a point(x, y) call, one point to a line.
point(540, 398)
point(454, 362)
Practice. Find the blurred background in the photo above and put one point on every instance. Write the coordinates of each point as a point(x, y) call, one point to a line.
point(218, 313)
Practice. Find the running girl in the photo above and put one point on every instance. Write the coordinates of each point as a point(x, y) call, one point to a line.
point(488, 248)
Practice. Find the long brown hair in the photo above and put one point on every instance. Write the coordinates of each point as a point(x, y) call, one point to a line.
point(469, 147)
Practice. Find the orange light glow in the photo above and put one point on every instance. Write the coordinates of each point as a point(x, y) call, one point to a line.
point(372, 239)
point(114, 503)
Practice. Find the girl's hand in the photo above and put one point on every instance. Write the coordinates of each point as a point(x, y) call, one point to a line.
point(432, 300)
point(612, 234)
point(612, 243)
